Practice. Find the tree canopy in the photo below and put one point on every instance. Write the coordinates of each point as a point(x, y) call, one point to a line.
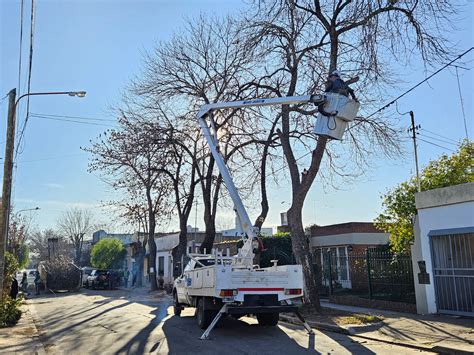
point(399, 203)
point(107, 253)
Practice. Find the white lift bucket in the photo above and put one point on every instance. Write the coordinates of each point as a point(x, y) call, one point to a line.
point(334, 126)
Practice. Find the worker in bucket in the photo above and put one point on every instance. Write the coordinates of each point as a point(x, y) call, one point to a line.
point(336, 85)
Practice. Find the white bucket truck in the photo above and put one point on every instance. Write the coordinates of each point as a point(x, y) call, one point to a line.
point(220, 285)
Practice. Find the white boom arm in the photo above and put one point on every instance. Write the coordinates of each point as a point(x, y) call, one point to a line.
point(247, 254)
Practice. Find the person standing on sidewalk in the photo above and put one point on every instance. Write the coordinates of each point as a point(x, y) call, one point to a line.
point(14, 289)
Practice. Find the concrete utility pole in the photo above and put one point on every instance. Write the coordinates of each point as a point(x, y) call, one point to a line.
point(413, 129)
point(7, 183)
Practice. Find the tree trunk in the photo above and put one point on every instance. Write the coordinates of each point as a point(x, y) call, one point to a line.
point(152, 255)
point(303, 255)
point(180, 249)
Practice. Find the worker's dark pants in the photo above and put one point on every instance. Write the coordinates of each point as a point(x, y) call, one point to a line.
point(37, 288)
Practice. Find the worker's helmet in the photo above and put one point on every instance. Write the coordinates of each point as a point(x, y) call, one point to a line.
point(334, 73)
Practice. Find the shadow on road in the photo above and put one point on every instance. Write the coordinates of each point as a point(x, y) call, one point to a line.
point(113, 322)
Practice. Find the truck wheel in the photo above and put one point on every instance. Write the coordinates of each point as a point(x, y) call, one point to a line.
point(177, 308)
point(270, 319)
point(204, 318)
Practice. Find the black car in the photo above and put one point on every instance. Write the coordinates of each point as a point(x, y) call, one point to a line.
point(101, 278)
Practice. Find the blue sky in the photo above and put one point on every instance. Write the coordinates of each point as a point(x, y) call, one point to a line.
point(97, 46)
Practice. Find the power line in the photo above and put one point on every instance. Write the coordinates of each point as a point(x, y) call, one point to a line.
point(439, 135)
point(30, 67)
point(51, 158)
point(462, 103)
point(21, 43)
point(75, 117)
point(71, 121)
point(437, 139)
point(421, 82)
point(440, 146)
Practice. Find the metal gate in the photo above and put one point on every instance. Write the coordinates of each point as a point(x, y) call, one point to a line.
point(453, 270)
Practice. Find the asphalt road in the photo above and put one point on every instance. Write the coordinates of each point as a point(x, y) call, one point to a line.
point(113, 322)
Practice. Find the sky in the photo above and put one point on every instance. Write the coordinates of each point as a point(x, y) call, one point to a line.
point(98, 46)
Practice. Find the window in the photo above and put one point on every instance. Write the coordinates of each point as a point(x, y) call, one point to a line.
point(339, 261)
point(161, 265)
point(342, 261)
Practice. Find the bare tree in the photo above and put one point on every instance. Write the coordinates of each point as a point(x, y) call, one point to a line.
point(75, 224)
point(205, 63)
point(130, 159)
point(302, 42)
point(39, 248)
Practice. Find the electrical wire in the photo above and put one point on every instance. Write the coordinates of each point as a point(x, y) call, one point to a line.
point(75, 117)
point(437, 145)
point(462, 104)
point(21, 43)
point(439, 135)
point(51, 158)
point(436, 139)
point(19, 148)
point(421, 82)
point(71, 121)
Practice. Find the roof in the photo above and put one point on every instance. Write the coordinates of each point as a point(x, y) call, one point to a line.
point(343, 228)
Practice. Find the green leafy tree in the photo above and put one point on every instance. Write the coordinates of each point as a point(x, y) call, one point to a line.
point(399, 203)
point(107, 253)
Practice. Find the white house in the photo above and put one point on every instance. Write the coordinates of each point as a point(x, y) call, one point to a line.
point(443, 250)
point(164, 259)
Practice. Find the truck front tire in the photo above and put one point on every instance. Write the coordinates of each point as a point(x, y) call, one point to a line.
point(268, 319)
point(177, 308)
point(204, 317)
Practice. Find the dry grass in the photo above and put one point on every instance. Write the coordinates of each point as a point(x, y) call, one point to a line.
point(334, 316)
point(357, 319)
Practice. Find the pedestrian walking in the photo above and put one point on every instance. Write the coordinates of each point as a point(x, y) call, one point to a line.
point(37, 283)
point(134, 277)
point(24, 284)
point(126, 277)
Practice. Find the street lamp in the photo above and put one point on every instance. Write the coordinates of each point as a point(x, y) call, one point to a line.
point(8, 167)
point(28, 209)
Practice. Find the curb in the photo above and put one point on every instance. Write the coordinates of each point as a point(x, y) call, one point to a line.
point(351, 331)
point(30, 314)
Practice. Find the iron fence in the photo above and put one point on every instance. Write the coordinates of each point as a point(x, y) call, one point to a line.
point(372, 274)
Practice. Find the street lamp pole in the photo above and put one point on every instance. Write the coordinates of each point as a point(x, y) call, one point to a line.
point(8, 169)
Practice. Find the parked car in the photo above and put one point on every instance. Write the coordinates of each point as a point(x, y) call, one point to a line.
point(86, 271)
point(101, 278)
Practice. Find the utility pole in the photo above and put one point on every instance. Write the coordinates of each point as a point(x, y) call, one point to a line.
point(7, 183)
point(413, 129)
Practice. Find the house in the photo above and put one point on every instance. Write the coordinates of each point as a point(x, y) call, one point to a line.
point(165, 243)
point(341, 241)
point(443, 250)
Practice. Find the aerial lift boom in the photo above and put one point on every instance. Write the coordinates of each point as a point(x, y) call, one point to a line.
point(247, 252)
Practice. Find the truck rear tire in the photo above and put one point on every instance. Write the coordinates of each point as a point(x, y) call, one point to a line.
point(268, 319)
point(204, 318)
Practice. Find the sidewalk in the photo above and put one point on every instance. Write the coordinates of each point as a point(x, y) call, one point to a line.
point(437, 333)
point(23, 338)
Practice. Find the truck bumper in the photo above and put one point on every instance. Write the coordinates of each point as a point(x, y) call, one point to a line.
point(261, 309)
